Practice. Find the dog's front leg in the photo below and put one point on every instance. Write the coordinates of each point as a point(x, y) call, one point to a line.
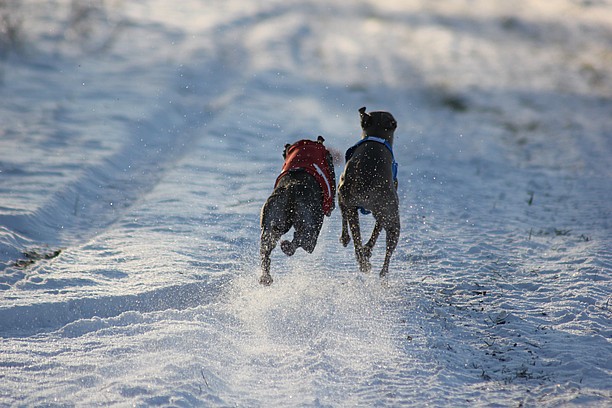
point(345, 238)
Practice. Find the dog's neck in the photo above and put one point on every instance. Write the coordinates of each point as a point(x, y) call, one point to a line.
point(386, 142)
point(388, 136)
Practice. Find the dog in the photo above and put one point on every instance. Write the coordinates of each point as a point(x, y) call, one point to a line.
point(304, 191)
point(369, 183)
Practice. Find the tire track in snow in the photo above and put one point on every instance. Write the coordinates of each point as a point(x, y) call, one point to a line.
point(71, 316)
point(153, 138)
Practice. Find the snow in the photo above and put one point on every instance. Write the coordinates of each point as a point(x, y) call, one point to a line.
point(140, 139)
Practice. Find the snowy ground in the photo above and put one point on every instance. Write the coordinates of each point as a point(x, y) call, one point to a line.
point(139, 139)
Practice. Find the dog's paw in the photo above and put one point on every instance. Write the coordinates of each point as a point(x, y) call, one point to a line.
point(365, 266)
point(265, 279)
point(345, 239)
point(288, 248)
point(366, 251)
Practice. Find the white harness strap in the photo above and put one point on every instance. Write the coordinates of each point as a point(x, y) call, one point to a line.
point(318, 169)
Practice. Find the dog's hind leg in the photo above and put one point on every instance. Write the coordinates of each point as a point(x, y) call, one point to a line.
point(289, 247)
point(392, 233)
point(306, 240)
point(367, 248)
point(274, 224)
point(352, 217)
point(307, 222)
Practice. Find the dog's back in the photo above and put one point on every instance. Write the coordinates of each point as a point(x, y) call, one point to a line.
point(297, 198)
point(367, 181)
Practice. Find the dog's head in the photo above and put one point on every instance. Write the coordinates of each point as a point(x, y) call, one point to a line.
point(320, 140)
point(380, 124)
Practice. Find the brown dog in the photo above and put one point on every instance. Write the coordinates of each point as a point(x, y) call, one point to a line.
point(304, 191)
point(369, 184)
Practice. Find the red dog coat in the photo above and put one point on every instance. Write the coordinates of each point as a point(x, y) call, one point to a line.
point(311, 157)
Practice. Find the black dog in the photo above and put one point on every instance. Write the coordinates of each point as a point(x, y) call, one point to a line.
point(369, 184)
point(304, 191)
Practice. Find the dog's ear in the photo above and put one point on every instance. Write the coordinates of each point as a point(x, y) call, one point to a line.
point(366, 120)
point(393, 124)
point(320, 139)
point(287, 146)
